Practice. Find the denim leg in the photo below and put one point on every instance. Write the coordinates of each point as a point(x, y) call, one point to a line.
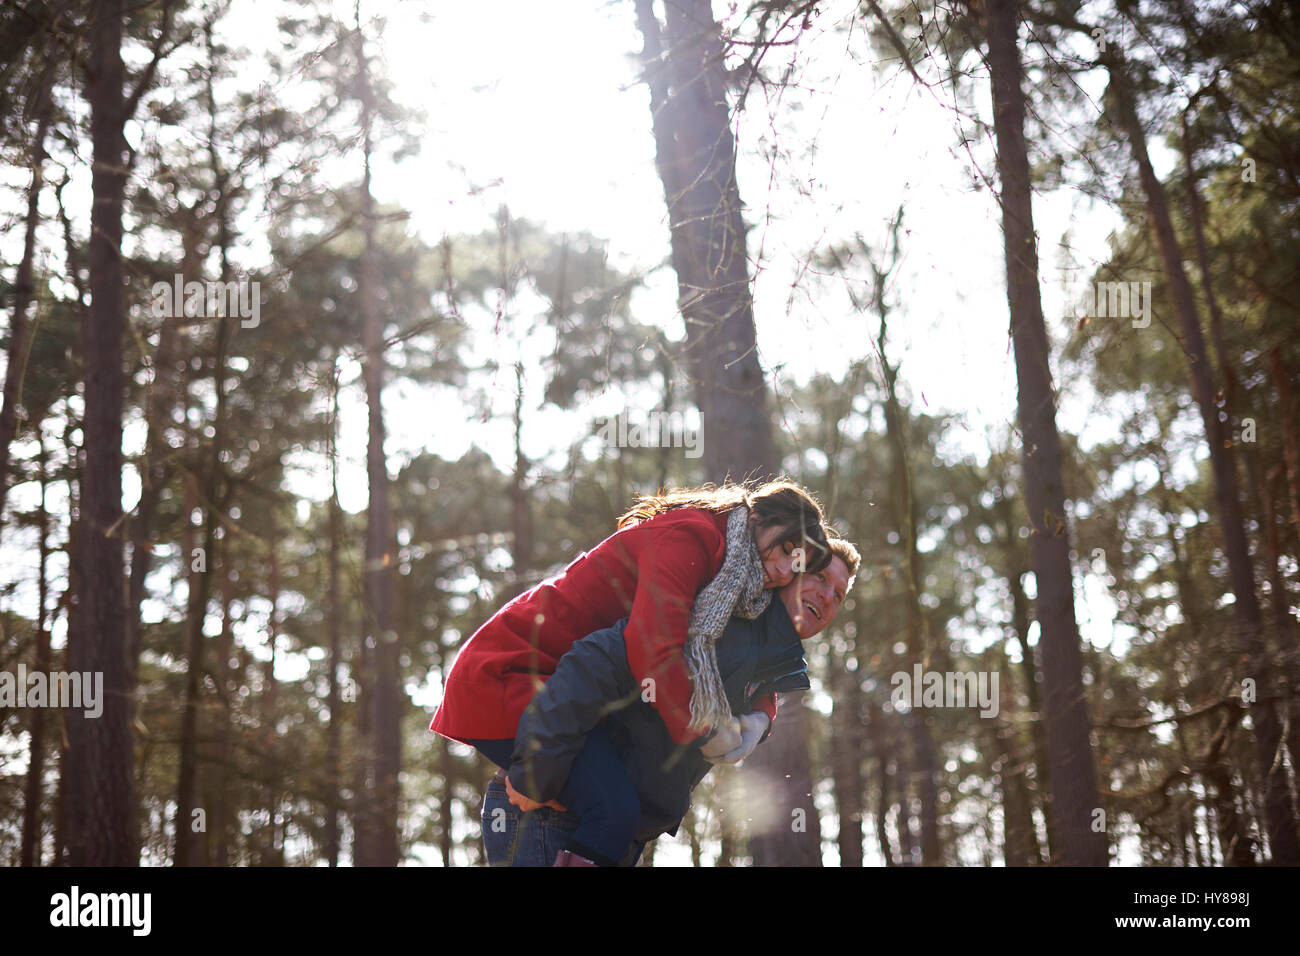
point(514, 838)
point(500, 826)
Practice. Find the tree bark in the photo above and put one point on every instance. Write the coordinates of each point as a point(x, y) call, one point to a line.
point(696, 160)
point(24, 291)
point(1020, 838)
point(1074, 788)
point(65, 823)
point(1290, 431)
point(219, 820)
point(187, 781)
point(846, 763)
point(333, 744)
point(381, 546)
point(30, 852)
point(271, 849)
point(1016, 569)
point(101, 755)
point(882, 750)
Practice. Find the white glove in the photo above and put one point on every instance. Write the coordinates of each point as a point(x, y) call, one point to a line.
point(752, 728)
point(727, 739)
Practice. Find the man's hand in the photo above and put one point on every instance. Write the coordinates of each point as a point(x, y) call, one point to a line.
point(752, 728)
point(725, 740)
point(524, 803)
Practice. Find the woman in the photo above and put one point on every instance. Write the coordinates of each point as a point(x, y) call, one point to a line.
point(728, 545)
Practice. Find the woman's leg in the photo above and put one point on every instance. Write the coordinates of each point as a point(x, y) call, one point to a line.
point(599, 792)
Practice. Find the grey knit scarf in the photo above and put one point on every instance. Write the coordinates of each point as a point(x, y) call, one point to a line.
point(736, 589)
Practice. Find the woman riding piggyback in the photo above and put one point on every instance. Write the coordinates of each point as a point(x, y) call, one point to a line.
point(737, 541)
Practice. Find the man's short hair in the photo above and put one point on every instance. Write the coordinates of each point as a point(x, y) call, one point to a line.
point(847, 553)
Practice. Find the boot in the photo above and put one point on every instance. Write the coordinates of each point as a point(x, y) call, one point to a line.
point(567, 858)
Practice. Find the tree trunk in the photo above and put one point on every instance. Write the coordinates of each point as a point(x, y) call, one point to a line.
point(907, 847)
point(1020, 847)
point(522, 553)
point(927, 776)
point(334, 745)
point(219, 820)
point(846, 761)
point(65, 824)
point(363, 820)
point(881, 749)
point(696, 159)
point(1236, 845)
point(1074, 788)
point(187, 782)
point(692, 825)
point(1290, 432)
point(729, 797)
point(381, 547)
point(269, 843)
point(24, 290)
point(1020, 607)
point(101, 755)
point(30, 853)
point(1020, 839)
point(1280, 820)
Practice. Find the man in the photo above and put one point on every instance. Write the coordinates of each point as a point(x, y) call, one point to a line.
point(593, 693)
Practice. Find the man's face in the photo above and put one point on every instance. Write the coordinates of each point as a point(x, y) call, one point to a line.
point(813, 599)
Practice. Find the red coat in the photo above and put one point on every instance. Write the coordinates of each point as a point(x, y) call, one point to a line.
point(649, 572)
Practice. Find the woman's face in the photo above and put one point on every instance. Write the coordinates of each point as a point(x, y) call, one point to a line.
point(778, 557)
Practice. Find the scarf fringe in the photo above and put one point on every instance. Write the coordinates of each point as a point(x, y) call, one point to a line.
point(736, 589)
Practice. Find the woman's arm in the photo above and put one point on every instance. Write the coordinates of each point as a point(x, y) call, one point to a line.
point(670, 571)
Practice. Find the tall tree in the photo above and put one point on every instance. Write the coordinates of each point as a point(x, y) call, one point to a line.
point(100, 751)
point(381, 546)
point(1073, 776)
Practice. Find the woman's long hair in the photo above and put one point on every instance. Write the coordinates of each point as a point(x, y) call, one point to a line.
point(778, 504)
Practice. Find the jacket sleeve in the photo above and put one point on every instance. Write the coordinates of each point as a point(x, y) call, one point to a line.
point(590, 680)
point(670, 570)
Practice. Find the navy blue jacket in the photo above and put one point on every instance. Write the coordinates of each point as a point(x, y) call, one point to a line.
point(592, 682)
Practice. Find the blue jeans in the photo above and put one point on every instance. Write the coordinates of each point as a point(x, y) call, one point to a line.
point(604, 813)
